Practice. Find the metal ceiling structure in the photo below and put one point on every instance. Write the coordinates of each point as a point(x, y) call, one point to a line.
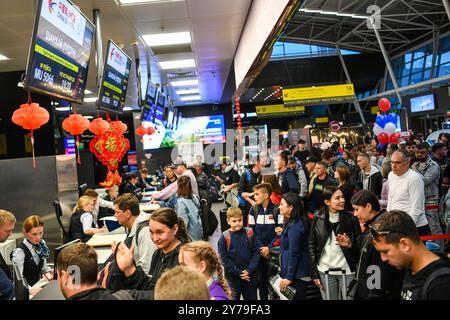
point(401, 23)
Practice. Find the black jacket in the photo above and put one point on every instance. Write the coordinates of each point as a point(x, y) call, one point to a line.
point(76, 227)
point(248, 180)
point(160, 262)
point(375, 182)
point(93, 294)
point(288, 181)
point(321, 232)
point(390, 281)
point(203, 186)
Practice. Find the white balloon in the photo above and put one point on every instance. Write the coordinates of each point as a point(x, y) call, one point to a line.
point(389, 128)
point(377, 130)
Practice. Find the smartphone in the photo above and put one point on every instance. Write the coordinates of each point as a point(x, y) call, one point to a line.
point(289, 292)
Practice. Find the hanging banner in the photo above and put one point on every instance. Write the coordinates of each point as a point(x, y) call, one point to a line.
point(340, 93)
point(279, 110)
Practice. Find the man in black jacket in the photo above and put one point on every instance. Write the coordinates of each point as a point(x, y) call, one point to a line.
point(427, 275)
point(369, 178)
point(319, 183)
point(77, 274)
point(286, 177)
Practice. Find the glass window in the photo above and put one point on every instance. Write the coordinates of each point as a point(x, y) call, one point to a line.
point(417, 64)
point(429, 61)
point(419, 54)
point(426, 74)
point(417, 77)
point(444, 70)
point(445, 58)
point(408, 57)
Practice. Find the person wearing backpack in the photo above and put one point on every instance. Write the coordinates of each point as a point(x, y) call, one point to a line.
point(127, 213)
point(239, 252)
point(263, 218)
point(250, 178)
point(427, 275)
point(188, 208)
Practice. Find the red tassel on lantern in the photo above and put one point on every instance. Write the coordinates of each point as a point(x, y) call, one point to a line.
point(30, 116)
point(76, 124)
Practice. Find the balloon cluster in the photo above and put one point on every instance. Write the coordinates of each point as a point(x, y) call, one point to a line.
point(386, 125)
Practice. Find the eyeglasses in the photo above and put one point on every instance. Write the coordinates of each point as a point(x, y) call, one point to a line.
point(375, 233)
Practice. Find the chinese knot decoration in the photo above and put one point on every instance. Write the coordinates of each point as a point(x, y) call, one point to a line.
point(239, 119)
point(30, 116)
point(110, 147)
point(111, 180)
point(76, 124)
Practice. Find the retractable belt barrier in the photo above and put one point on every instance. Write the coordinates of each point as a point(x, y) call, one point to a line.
point(435, 237)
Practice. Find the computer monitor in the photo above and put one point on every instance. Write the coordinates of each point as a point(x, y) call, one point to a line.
point(20, 284)
point(57, 252)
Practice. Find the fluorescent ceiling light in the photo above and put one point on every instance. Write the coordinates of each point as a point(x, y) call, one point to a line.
point(133, 2)
point(88, 117)
point(3, 58)
point(127, 108)
point(91, 99)
point(250, 114)
point(176, 64)
point(191, 98)
point(63, 109)
point(184, 83)
point(165, 39)
point(339, 14)
point(87, 91)
point(188, 91)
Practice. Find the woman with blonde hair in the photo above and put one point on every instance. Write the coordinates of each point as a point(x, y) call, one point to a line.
point(200, 255)
point(82, 225)
point(32, 254)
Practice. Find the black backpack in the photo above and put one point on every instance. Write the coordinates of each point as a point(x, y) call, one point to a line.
point(209, 219)
point(436, 274)
point(111, 277)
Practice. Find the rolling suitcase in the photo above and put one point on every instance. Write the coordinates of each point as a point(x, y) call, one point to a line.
point(343, 286)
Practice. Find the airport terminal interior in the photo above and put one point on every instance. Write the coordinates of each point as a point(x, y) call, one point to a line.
point(225, 150)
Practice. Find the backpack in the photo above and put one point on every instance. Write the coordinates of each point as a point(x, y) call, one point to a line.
point(111, 277)
point(227, 236)
point(248, 178)
point(208, 218)
point(436, 274)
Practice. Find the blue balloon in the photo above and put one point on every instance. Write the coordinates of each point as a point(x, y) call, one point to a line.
point(393, 118)
point(381, 120)
point(380, 147)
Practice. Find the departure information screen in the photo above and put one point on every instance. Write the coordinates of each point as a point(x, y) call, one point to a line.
point(116, 73)
point(59, 54)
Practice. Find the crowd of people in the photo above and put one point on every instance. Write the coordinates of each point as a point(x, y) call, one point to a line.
point(348, 220)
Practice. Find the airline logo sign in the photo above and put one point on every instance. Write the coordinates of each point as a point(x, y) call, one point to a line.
point(340, 93)
point(66, 18)
point(117, 59)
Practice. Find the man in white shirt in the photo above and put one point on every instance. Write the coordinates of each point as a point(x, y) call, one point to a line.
point(407, 191)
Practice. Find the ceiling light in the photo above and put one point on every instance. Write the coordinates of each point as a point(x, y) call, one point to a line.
point(176, 64)
point(165, 39)
point(63, 109)
point(184, 83)
point(127, 108)
point(339, 14)
point(190, 98)
point(250, 114)
point(91, 99)
point(87, 91)
point(88, 117)
point(187, 91)
point(3, 58)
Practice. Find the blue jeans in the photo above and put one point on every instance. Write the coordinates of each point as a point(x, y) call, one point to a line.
point(335, 285)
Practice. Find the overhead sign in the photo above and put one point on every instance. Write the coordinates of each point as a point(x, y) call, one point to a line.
point(322, 120)
point(340, 93)
point(279, 110)
point(113, 90)
point(374, 110)
point(60, 49)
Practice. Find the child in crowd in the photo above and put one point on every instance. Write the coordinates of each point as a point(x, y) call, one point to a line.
point(239, 251)
point(32, 254)
point(82, 225)
point(263, 218)
point(200, 255)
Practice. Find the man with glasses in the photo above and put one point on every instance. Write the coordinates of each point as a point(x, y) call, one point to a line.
point(429, 170)
point(427, 275)
point(407, 191)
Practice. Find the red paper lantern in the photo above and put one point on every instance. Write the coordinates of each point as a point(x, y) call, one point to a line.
point(119, 126)
point(76, 124)
point(383, 138)
point(31, 116)
point(384, 104)
point(142, 131)
point(394, 137)
point(99, 126)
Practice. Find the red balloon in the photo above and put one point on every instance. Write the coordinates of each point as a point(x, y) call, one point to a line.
point(383, 138)
point(384, 104)
point(394, 137)
point(99, 126)
point(238, 104)
point(141, 130)
point(238, 109)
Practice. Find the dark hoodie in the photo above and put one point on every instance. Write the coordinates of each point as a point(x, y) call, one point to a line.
point(93, 294)
point(375, 183)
